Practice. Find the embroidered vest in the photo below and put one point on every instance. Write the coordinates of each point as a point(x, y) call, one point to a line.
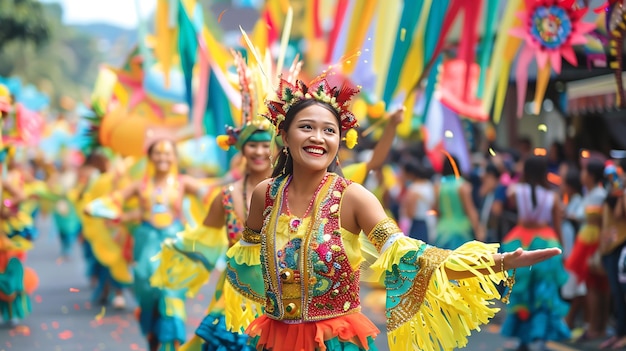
point(319, 284)
point(234, 227)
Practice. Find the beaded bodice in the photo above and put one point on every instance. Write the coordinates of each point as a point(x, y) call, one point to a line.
point(307, 273)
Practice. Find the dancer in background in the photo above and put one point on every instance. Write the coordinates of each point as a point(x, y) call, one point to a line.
point(612, 244)
point(160, 193)
point(536, 311)
point(584, 260)
point(458, 218)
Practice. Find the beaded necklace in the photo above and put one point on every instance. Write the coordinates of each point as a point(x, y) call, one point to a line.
point(294, 221)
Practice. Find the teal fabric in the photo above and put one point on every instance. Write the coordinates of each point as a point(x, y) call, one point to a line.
point(408, 23)
point(68, 225)
point(187, 49)
point(12, 282)
point(537, 291)
point(167, 324)
point(431, 36)
point(247, 279)
point(454, 227)
point(487, 43)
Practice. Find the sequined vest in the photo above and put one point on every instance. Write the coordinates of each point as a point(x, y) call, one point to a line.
point(320, 284)
point(234, 226)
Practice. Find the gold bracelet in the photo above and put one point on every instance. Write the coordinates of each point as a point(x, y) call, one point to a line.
point(250, 236)
point(382, 231)
point(508, 282)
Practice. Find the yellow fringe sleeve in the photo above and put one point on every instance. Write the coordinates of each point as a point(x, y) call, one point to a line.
point(239, 311)
point(427, 311)
point(187, 261)
point(244, 288)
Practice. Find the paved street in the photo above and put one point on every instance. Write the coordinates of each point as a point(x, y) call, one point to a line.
point(64, 320)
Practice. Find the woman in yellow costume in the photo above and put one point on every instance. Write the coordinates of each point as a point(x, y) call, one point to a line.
point(225, 219)
point(161, 312)
point(16, 281)
point(299, 255)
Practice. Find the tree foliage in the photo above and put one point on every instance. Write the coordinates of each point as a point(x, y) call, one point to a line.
point(65, 64)
point(22, 20)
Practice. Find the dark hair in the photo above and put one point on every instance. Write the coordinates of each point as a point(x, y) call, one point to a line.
point(153, 144)
point(96, 160)
point(417, 168)
point(560, 151)
point(493, 170)
point(572, 179)
point(595, 169)
point(284, 163)
point(535, 174)
point(448, 168)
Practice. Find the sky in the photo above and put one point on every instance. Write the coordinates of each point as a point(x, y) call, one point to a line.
point(118, 12)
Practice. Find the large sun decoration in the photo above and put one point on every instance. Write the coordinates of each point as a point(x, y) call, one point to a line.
point(550, 29)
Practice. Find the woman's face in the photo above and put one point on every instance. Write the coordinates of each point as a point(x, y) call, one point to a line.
point(163, 156)
point(313, 138)
point(257, 154)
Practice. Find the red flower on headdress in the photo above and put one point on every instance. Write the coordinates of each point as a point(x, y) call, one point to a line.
point(338, 97)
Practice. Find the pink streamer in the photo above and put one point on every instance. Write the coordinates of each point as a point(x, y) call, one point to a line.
point(201, 96)
point(521, 77)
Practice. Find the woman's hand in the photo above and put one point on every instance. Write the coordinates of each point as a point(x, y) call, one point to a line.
point(523, 258)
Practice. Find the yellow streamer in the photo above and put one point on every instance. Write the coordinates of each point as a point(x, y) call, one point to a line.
point(502, 48)
point(388, 13)
point(543, 76)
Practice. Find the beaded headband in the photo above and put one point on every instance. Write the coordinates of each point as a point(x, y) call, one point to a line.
point(338, 97)
point(255, 130)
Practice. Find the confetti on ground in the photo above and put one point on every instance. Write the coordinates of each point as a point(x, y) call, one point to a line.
point(38, 298)
point(101, 314)
point(64, 309)
point(542, 127)
point(20, 330)
point(55, 325)
point(44, 326)
point(76, 306)
point(66, 335)
point(74, 290)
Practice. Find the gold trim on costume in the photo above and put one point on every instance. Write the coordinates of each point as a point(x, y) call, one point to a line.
point(382, 231)
point(250, 236)
point(412, 300)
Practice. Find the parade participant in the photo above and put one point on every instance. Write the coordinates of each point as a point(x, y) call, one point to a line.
point(17, 282)
point(61, 183)
point(299, 255)
point(584, 260)
point(225, 220)
point(458, 221)
point(160, 193)
point(536, 311)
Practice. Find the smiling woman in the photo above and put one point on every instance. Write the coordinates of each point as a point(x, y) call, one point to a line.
point(300, 253)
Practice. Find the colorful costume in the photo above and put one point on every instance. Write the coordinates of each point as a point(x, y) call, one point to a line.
point(305, 273)
point(536, 310)
point(453, 227)
point(587, 241)
point(161, 311)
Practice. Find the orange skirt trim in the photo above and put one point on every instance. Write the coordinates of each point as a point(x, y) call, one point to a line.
point(279, 336)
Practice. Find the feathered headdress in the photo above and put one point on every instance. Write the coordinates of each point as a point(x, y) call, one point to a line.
point(249, 85)
point(338, 97)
